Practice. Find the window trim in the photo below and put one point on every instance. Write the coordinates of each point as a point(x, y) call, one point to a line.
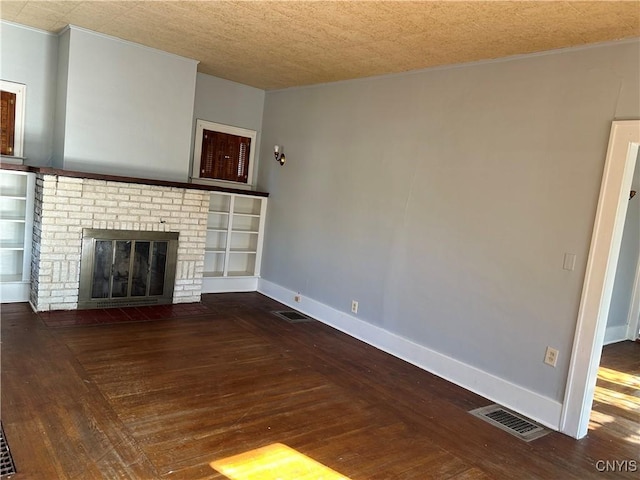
point(202, 125)
point(20, 91)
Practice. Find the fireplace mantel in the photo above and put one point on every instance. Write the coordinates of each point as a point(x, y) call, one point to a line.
point(122, 179)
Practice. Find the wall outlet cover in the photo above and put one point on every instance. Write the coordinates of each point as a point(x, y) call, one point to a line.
point(551, 356)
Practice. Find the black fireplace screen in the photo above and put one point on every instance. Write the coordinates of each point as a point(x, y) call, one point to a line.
point(123, 267)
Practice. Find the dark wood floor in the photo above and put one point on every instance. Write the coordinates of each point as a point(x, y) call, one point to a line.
point(162, 399)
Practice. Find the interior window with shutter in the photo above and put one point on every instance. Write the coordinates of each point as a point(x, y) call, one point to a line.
point(12, 109)
point(8, 122)
point(224, 156)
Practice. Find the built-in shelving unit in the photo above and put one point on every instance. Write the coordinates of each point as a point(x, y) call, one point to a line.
point(17, 189)
point(233, 250)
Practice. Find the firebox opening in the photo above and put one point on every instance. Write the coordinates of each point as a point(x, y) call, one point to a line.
point(121, 268)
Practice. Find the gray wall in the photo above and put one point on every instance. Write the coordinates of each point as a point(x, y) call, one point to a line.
point(230, 103)
point(128, 108)
point(629, 250)
point(444, 200)
point(29, 56)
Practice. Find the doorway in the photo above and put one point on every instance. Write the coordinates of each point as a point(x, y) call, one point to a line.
point(623, 314)
point(622, 153)
point(633, 331)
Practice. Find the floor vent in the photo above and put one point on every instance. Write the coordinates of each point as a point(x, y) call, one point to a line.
point(7, 467)
point(292, 316)
point(510, 422)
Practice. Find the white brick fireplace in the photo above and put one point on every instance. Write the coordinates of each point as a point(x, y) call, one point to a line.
point(65, 205)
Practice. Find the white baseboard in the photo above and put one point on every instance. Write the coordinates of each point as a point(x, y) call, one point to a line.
point(615, 334)
point(537, 407)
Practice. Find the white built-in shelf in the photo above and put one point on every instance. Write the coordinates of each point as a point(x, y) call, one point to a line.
point(212, 274)
point(241, 274)
point(233, 246)
point(214, 250)
point(8, 196)
point(10, 279)
point(11, 246)
point(17, 191)
point(13, 219)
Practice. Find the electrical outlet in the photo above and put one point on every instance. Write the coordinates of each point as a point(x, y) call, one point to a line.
point(297, 298)
point(354, 306)
point(551, 356)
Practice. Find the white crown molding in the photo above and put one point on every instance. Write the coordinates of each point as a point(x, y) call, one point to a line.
point(26, 27)
point(72, 27)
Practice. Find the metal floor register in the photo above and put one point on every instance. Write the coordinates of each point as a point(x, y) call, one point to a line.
point(7, 467)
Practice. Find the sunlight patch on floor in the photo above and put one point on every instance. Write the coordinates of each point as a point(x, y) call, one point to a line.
point(598, 419)
point(617, 399)
point(620, 378)
point(615, 396)
point(622, 381)
point(633, 439)
point(274, 462)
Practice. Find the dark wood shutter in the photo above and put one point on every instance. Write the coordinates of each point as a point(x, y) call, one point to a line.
point(225, 156)
point(8, 121)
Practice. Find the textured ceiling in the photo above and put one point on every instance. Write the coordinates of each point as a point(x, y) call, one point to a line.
point(278, 44)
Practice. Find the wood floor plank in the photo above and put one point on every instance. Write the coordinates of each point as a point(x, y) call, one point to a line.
point(56, 419)
point(163, 399)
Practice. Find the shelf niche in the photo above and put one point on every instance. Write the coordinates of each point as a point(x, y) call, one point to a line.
point(17, 192)
point(233, 250)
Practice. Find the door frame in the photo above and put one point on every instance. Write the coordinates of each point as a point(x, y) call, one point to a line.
point(622, 154)
point(634, 310)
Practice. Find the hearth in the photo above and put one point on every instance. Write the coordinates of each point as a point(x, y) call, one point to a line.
point(120, 268)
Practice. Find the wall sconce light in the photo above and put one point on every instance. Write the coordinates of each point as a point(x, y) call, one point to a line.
point(278, 153)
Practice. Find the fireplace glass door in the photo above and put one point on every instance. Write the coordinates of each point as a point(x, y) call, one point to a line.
point(135, 268)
